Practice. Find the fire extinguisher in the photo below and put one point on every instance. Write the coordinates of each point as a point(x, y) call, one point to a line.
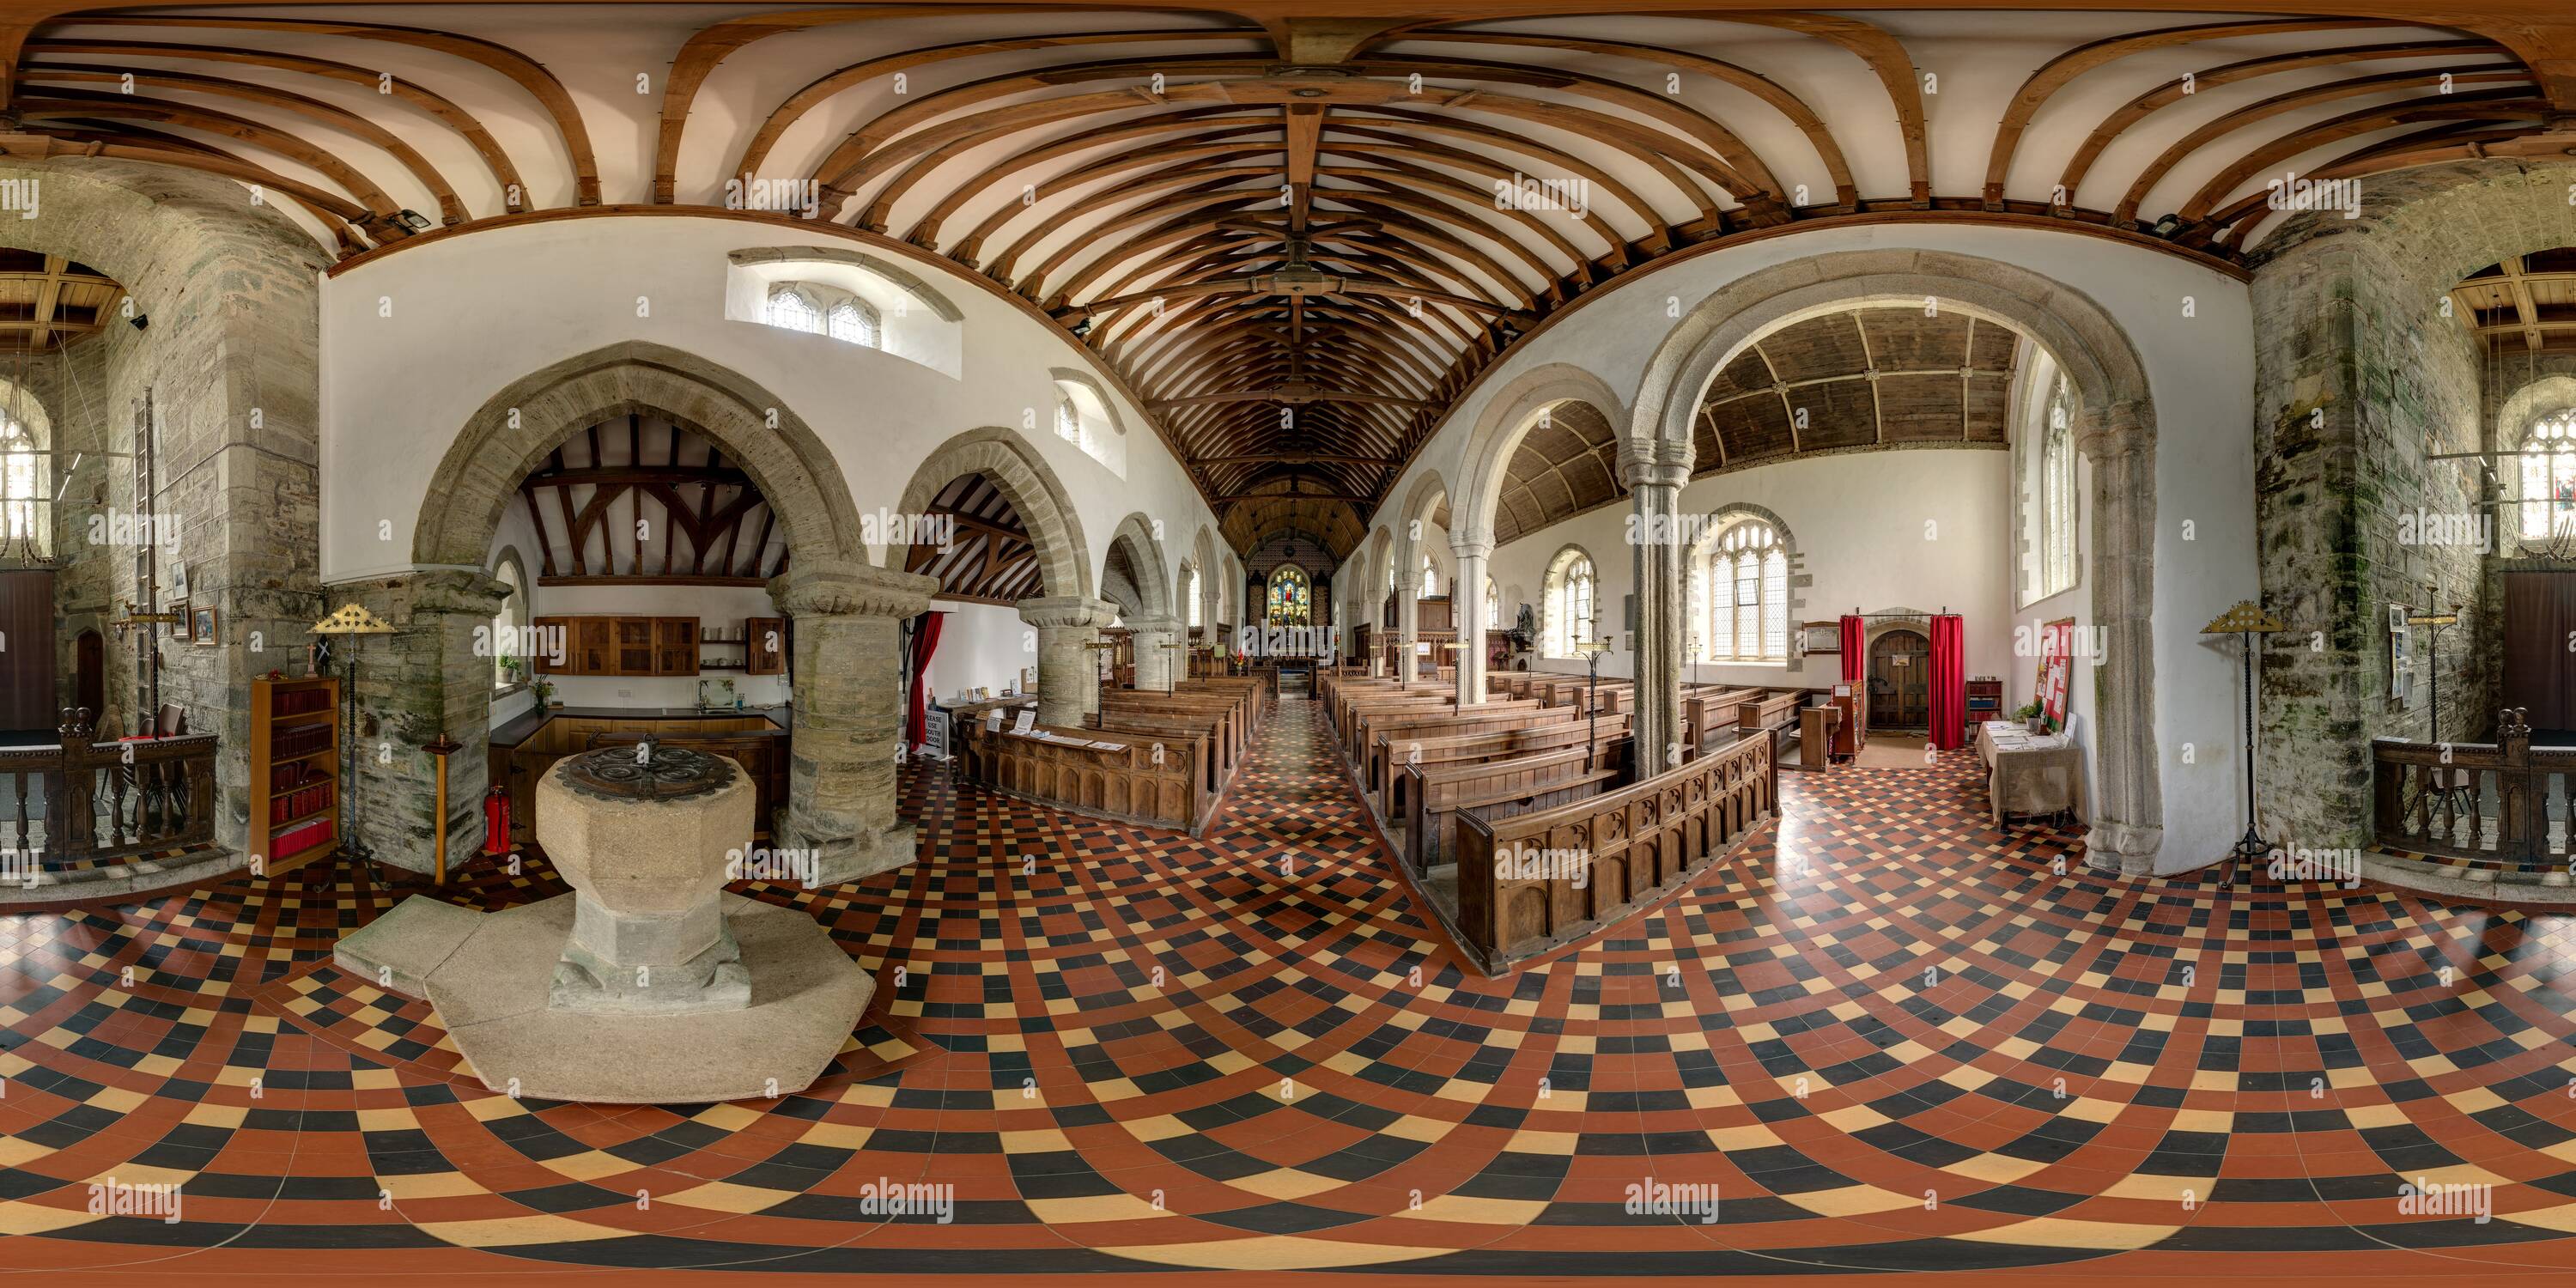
point(496, 821)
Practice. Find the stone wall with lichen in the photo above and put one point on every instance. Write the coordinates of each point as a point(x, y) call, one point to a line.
point(2363, 379)
point(228, 364)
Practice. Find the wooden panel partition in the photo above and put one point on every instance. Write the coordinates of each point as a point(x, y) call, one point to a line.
point(1529, 882)
point(1143, 780)
point(2504, 804)
point(72, 803)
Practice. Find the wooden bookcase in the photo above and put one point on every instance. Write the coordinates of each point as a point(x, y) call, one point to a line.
point(294, 771)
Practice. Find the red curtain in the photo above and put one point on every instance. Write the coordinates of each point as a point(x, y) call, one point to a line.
point(925, 641)
point(1949, 681)
point(1855, 651)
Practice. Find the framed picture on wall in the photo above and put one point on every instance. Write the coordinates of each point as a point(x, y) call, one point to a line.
point(204, 628)
point(2056, 666)
point(2401, 657)
point(178, 580)
point(180, 628)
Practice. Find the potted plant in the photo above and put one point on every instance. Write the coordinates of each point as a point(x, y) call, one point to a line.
point(546, 693)
point(513, 670)
point(2030, 717)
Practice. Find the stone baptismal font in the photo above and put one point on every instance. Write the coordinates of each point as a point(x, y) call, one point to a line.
point(649, 983)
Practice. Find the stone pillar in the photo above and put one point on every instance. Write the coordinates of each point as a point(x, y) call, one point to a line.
point(848, 702)
point(1068, 671)
point(2128, 805)
point(1467, 597)
point(1655, 493)
point(432, 676)
point(1157, 667)
point(1408, 623)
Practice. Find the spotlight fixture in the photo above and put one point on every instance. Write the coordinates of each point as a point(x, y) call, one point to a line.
point(140, 320)
point(1081, 327)
point(414, 220)
point(2167, 226)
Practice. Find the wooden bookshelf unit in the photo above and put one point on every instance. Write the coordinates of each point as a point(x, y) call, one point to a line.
point(294, 772)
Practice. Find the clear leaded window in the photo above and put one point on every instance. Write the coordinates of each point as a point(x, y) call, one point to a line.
point(1745, 583)
point(22, 492)
point(1493, 606)
point(506, 624)
point(790, 309)
point(854, 321)
point(1571, 605)
point(2549, 477)
point(1430, 579)
point(2058, 504)
point(1193, 598)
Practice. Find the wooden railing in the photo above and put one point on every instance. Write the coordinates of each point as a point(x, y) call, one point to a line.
point(2503, 802)
point(1529, 882)
point(80, 799)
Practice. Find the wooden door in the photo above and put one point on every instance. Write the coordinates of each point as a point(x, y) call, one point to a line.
point(764, 648)
point(89, 673)
point(675, 646)
point(1900, 681)
point(634, 653)
point(27, 699)
point(594, 647)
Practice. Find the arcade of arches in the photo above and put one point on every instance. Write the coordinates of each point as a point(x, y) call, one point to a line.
point(1692, 641)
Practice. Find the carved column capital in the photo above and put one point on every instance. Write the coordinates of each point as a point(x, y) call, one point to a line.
point(835, 588)
point(1067, 611)
point(1656, 464)
point(1471, 548)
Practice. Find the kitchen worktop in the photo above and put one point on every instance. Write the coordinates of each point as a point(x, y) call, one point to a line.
point(519, 728)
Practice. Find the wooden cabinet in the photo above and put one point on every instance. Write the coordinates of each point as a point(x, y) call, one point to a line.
point(593, 647)
point(765, 647)
point(623, 646)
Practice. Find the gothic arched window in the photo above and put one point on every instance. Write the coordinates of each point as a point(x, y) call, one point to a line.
point(1745, 583)
point(2549, 476)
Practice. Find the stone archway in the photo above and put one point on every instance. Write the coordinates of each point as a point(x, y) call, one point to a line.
point(1156, 623)
point(1066, 617)
point(2115, 429)
point(847, 613)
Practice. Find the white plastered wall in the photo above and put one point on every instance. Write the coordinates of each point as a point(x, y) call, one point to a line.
point(415, 342)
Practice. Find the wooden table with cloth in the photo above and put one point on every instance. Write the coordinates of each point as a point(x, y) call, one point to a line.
point(2030, 773)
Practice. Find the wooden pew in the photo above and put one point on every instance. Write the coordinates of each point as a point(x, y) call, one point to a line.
point(1574, 868)
point(1561, 730)
point(1379, 731)
point(1130, 784)
point(1203, 734)
point(1234, 737)
point(1354, 731)
point(1495, 788)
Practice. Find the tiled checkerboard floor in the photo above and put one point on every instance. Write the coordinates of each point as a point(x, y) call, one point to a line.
point(1890, 1036)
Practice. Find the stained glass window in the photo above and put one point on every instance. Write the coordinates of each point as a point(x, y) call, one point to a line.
point(1291, 602)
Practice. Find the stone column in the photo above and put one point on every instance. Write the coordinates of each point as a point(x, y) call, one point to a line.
point(2128, 804)
point(432, 676)
point(1468, 598)
point(1068, 671)
point(1156, 666)
point(848, 703)
point(1654, 493)
point(1408, 623)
